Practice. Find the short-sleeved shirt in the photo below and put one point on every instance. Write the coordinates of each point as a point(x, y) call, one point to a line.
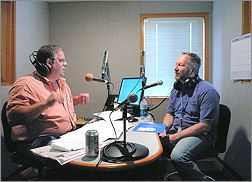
point(55, 120)
point(199, 104)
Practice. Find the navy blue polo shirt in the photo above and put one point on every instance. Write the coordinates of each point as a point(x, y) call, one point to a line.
point(200, 104)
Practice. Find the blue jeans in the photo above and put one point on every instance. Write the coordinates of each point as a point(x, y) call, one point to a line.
point(24, 150)
point(183, 153)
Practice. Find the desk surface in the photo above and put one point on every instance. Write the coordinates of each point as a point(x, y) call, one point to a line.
point(148, 139)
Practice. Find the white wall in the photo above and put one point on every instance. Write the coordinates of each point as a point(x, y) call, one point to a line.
point(32, 30)
point(227, 18)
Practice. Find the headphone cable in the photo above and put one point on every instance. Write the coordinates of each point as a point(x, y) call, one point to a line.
point(150, 109)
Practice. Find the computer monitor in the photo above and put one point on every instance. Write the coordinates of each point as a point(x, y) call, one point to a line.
point(130, 85)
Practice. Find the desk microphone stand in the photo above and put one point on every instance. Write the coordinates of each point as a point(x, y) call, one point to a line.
point(110, 99)
point(119, 151)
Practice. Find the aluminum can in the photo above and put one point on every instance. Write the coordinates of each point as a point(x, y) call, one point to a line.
point(92, 143)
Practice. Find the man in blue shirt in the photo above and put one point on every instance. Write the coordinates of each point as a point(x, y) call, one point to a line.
point(191, 119)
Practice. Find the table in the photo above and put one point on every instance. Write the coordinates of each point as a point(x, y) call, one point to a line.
point(148, 139)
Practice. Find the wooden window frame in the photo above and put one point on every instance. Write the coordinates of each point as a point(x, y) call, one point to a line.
point(246, 23)
point(246, 17)
point(173, 15)
point(8, 42)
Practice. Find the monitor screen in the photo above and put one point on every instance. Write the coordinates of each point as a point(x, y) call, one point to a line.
point(130, 85)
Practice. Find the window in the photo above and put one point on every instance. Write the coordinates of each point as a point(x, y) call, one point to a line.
point(8, 55)
point(163, 38)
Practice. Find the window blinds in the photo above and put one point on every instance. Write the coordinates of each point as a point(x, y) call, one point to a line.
point(164, 40)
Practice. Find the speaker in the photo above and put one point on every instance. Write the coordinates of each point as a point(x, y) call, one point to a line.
point(41, 68)
point(189, 83)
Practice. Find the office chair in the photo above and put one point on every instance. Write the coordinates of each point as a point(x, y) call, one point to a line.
point(10, 146)
point(221, 141)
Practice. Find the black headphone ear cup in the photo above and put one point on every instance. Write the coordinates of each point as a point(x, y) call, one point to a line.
point(42, 69)
point(189, 83)
point(178, 85)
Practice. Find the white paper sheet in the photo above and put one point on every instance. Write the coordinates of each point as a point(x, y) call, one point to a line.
point(60, 156)
point(241, 58)
point(72, 144)
point(75, 140)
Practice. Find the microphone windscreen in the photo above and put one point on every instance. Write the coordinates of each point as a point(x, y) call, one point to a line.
point(132, 97)
point(89, 77)
point(160, 82)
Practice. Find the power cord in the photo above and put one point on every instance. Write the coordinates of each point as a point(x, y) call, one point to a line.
point(96, 166)
point(112, 124)
point(124, 150)
point(101, 152)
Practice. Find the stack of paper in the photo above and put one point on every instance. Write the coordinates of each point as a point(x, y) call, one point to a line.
point(72, 145)
point(75, 140)
point(60, 156)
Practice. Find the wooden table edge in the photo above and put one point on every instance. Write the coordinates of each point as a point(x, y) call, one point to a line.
point(125, 165)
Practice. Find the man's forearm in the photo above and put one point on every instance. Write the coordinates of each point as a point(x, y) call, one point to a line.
point(196, 129)
point(168, 120)
point(27, 114)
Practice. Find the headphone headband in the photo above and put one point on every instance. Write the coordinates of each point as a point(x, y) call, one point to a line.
point(41, 68)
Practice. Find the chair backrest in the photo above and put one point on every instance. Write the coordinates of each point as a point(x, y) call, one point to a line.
point(223, 126)
point(10, 145)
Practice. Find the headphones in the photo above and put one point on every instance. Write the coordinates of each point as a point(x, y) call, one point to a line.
point(188, 84)
point(41, 68)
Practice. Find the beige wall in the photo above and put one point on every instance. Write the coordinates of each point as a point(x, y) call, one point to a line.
point(236, 95)
point(86, 29)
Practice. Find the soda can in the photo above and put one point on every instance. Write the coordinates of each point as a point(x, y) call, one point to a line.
point(92, 143)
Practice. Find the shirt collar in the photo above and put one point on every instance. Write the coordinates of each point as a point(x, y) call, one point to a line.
point(61, 81)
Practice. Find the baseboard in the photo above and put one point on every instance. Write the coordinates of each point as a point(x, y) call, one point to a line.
point(222, 166)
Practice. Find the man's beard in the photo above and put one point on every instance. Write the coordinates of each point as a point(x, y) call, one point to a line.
point(185, 76)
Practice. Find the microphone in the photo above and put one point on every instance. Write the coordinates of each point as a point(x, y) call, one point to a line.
point(105, 63)
point(89, 77)
point(132, 97)
point(159, 82)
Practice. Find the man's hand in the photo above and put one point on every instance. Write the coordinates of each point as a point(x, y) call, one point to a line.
point(163, 134)
point(83, 98)
point(27, 114)
point(54, 97)
point(194, 130)
point(173, 137)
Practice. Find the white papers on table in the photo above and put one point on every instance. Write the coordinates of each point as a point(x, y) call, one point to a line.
point(72, 145)
point(75, 140)
point(60, 156)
